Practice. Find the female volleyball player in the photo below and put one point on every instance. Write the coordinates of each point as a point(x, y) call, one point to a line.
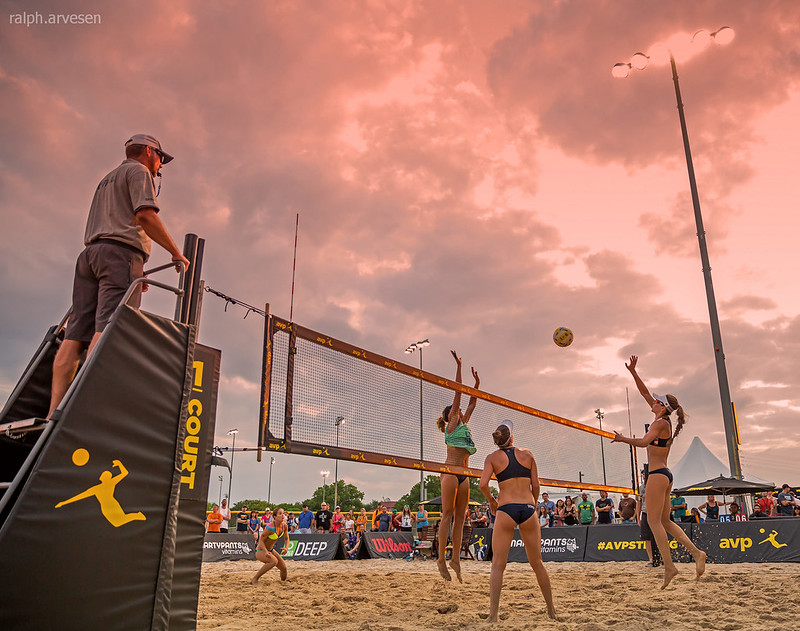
point(455, 488)
point(514, 507)
point(658, 487)
point(265, 551)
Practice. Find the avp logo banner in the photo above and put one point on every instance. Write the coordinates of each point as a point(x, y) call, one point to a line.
point(759, 541)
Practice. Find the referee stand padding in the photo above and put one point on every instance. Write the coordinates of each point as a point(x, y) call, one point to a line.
point(102, 524)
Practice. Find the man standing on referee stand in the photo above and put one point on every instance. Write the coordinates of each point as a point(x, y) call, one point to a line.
point(123, 219)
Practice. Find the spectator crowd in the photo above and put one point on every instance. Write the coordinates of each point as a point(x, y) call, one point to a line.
point(566, 511)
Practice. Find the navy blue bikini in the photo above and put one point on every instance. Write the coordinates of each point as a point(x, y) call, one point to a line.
point(518, 512)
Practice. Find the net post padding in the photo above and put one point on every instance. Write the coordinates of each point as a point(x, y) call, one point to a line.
point(266, 385)
point(321, 444)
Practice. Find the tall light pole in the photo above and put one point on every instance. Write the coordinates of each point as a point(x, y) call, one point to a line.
point(600, 415)
point(324, 474)
point(639, 61)
point(269, 487)
point(219, 500)
point(339, 420)
point(418, 346)
point(233, 433)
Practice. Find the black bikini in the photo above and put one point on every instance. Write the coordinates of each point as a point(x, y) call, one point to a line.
point(663, 442)
point(514, 468)
point(518, 512)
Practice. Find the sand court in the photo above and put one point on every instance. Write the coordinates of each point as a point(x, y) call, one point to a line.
point(395, 595)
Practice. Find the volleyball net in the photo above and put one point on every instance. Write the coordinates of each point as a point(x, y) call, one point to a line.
point(324, 397)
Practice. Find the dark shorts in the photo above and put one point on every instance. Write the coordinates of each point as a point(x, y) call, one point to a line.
point(646, 533)
point(103, 273)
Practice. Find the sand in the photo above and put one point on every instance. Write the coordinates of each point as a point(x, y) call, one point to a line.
point(397, 595)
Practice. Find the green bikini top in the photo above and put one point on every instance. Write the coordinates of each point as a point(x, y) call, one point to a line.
point(461, 438)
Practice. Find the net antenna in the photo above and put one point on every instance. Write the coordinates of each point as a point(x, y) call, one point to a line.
point(294, 266)
point(310, 379)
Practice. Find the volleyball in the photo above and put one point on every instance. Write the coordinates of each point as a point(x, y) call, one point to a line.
point(562, 336)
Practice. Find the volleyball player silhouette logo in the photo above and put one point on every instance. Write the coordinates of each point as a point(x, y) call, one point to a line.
point(104, 492)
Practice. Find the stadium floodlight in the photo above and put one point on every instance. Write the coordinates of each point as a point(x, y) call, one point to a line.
point(324, 475)
point(269, 486)
point(418, 346)
point(689, 46)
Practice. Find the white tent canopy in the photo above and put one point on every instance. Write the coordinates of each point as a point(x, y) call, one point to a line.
point(699, 464)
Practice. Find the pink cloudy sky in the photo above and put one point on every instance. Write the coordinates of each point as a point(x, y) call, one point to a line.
point(465, 171)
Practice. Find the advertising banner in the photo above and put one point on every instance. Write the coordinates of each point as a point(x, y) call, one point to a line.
point(622, 542)
point(228, 547)
point(558, 544)
point(388, 545)
point(325, 547)
point(757, 541)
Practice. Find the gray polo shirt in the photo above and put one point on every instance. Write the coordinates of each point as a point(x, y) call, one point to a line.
point(121, 193)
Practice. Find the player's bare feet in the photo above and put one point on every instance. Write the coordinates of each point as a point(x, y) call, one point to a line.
point(456, 567)
point(284, 573)
point(700, 564)
point(669, 574)
point(253, 581)
point(442, 565)
point(551, 613)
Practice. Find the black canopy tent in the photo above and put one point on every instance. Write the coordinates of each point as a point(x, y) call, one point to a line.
point(722, 485)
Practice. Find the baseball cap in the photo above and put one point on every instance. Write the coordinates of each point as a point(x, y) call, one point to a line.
point(149, 141)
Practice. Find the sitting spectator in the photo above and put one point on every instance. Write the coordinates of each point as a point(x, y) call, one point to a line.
point(291, 521)
point(735, 514)
point(559, 514)
point(323, 518)
point(337, 521)
point(254, 525)
point(305, 520)
point(570, 512)
point(481, 520)
point(351, 542)
point(785, 504)
point(242, 520)
point(551, 507)
point(757, 512)
point(544, 516)
point(586, 510)
point(214, 520)
point(406, 520)
point(384, 520)
point(766, 504)
point(695, 516)
point(605, 508)
point(349, 522)
point(627, 509)
point(796, 510)
point(362, 520)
